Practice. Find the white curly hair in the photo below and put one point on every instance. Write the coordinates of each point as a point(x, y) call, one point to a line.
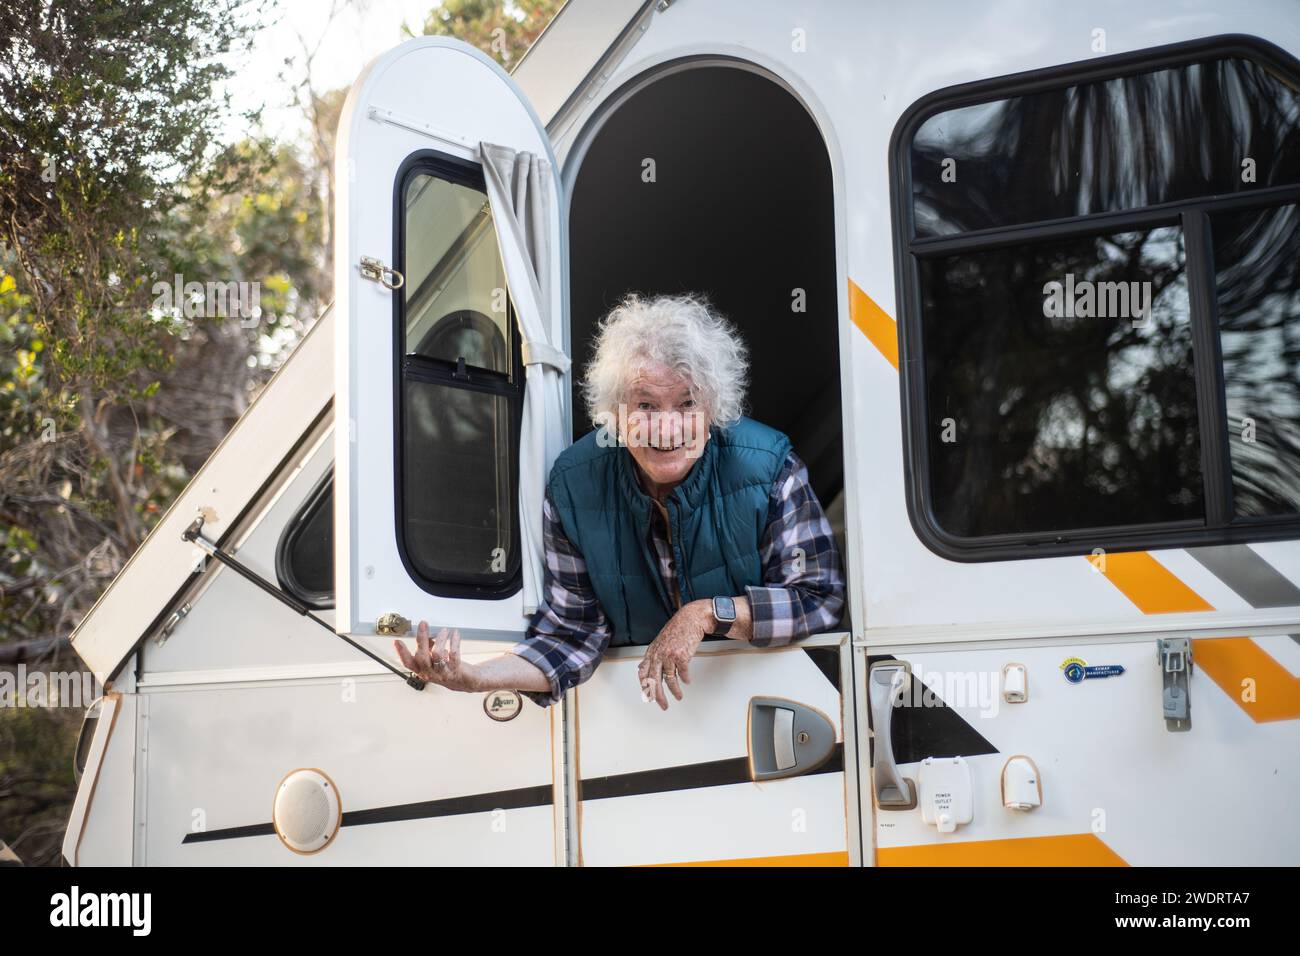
point(683, 332)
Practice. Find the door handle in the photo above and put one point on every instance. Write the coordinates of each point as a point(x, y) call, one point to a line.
point(885, 682)
point(787, 738)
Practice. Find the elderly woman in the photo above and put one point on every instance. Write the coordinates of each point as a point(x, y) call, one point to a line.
point(675, 519)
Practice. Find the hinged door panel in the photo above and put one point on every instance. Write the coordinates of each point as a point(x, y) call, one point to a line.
point(429, 373)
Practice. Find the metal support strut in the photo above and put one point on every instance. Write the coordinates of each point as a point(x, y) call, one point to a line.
point(194, 534)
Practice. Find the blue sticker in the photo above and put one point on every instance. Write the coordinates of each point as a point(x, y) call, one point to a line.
point(1076, 670)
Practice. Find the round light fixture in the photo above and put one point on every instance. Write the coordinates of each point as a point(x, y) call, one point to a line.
point(307, 811)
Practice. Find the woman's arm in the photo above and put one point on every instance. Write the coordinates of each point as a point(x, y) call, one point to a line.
point(569, 631)
point(439, 661)
point(510, 671)
point(803, 591)
point(567, 635)
point(668, 658)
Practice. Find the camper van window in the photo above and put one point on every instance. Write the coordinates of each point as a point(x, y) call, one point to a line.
point(461, 387)
point(1101, 305)
point(1257, 275)
point(304, 557)
point(1060, 416)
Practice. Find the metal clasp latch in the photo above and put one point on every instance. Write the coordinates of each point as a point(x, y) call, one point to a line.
point(1175, 656)
point(376, 271)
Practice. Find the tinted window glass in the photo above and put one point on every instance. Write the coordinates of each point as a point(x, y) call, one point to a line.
point(312, 554)
point(453, 268)
point(1100, 339)
point(1257, 273)
point(1124, 143)
point(304, 560)
point(1060, 385)
point(459, 502)
point(462, 389)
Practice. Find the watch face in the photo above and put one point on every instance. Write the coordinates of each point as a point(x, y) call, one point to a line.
point(724, 609)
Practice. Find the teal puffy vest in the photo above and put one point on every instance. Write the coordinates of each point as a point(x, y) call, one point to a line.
point(717, 517)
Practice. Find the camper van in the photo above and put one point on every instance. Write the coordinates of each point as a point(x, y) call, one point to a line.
point(1019, 282)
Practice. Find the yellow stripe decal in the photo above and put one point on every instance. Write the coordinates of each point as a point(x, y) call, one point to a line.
point(880, 329)
point(1261, 686)
point(1149, 584)
point(838, 858)
point(1244, 671)
point(1072, 849)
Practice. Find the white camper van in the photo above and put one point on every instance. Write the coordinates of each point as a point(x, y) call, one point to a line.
point(1020, 282)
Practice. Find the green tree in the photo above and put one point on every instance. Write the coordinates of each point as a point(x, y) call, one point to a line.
point(113, 182)
point(105, 110)
point(111, 176)
point(503, 30)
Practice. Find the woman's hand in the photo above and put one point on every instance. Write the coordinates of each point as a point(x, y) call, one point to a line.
point(669, 655)
point(440, 662)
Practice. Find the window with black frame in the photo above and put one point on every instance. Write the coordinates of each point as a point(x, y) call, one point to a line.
point(460, 391)
point(304, 555)
point(1100, 305)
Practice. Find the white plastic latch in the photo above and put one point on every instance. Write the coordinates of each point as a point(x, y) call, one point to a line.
point(1015, 684)
point(947, 797)
point(1022, 788)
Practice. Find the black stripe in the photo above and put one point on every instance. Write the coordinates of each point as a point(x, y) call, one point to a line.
point(231, 833)
point(714, 773)
point(694, 776)
point(427, 809)
point(827, 660)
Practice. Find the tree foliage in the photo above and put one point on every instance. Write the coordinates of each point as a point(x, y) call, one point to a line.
point(504, 31)
point(115, 184)
point(113, 177)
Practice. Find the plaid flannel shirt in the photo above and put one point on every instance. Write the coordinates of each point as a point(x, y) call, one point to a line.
point(802, 591)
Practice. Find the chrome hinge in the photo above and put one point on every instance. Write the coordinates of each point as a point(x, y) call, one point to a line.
point(376, 271)
point(1175, 655)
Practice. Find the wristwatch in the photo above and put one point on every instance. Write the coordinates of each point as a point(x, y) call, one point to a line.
point(724, 614)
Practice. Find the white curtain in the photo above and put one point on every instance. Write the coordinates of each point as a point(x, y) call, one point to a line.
point(521, 192)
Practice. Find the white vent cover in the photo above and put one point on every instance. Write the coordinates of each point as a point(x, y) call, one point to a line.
point(307, 811)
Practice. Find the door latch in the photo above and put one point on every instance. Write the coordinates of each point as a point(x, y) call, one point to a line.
point(787, 738)
point(376, 271)
point(1175, 656)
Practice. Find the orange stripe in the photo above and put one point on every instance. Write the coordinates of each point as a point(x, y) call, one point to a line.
point(1230, 661)
point(1149, 584)
point(838, 858)
point(875, 322)
point(1072, 849)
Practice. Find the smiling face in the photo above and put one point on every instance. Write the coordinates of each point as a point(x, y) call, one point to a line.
point(663, 425)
